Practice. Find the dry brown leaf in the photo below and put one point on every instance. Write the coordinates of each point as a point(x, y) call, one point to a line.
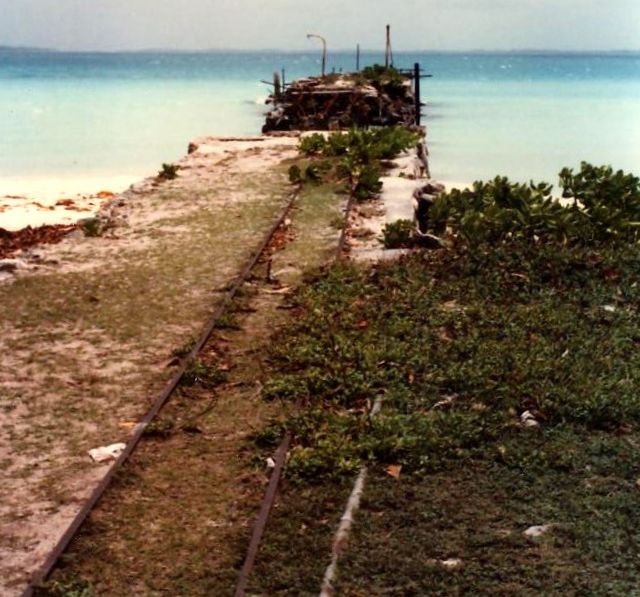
point(445, 334)
point(393, 470)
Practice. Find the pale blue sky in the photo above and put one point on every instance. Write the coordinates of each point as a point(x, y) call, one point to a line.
point(253, 24)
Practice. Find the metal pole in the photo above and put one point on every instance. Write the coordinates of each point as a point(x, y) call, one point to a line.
point(416, 91)
point(358, 58)
point(324, 49)
point(387, 48)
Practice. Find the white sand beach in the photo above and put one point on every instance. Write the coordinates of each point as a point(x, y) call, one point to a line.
point(36, 201)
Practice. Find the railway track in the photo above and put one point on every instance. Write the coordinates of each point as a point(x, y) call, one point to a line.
point(51, 561)
point(43, 573)
point(280, 458)
point(45, 570)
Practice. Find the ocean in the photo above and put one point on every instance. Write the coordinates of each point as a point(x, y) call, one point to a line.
point(522, 115)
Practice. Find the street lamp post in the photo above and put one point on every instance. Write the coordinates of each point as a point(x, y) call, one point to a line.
point(324, 49)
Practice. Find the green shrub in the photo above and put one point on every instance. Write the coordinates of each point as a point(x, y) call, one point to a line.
point(610, 201)
point(92, 227)
point(606, 208)
point(312, 173)
point(380, 76)
point(353, 156)
point(367, 182)
point(168, 172)
point(295, 174)
point(398, 234)
point(313, 144)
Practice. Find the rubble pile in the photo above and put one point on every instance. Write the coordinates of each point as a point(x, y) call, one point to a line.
point(373, 97)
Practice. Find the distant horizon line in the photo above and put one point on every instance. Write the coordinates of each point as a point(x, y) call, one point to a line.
point(309, 51)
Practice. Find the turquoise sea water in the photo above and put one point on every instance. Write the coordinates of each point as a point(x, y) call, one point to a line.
point(522, 115)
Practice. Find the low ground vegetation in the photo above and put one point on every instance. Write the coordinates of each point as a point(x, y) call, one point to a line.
point(508, 368)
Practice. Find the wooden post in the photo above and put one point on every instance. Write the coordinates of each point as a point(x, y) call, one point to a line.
point(276, 85)
point(284, 84)
point(324, 57)
point(416, 91)
point(358, 58)
point(387, 52)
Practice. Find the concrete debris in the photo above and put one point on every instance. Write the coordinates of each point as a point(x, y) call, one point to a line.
point(423, 199)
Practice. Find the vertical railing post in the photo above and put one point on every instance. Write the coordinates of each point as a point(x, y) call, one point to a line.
point(416, 91)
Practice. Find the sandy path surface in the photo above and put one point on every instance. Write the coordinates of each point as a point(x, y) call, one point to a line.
point(88, 328)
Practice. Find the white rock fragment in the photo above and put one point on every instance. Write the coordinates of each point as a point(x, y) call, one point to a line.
point(445, 402)
point(451, 563)
point(271, 463)
point(609, 308)
point(537, 530)
point(106, 453)
point(528, 420)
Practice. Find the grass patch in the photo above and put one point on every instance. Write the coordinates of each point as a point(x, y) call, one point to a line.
point(66, 588)
point(478, 512)
point(203, 374)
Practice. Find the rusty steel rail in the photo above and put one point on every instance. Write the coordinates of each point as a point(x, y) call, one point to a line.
point(263, 516)
point(342, 241)
point(280, 459)
point(47, 567)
